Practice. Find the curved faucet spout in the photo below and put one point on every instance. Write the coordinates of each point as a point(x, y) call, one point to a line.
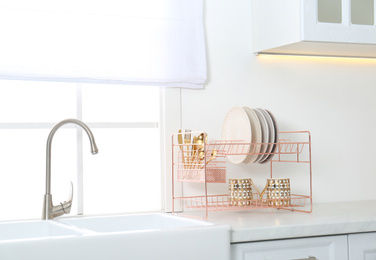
point(50, 211)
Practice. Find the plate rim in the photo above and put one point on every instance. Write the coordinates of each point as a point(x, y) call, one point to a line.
point(251, 158)
point(271, 138)
point(271, 155)
point(242, 157)
point(265, 134)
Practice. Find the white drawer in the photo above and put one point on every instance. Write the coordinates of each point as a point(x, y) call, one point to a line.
point(321, 248)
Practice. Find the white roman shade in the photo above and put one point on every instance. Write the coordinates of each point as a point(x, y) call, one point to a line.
point(149, 42)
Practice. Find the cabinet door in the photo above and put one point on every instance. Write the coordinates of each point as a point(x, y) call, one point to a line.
point(320, 248)
point(362, 246)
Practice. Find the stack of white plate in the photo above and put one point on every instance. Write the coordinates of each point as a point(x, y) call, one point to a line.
point(257, 131)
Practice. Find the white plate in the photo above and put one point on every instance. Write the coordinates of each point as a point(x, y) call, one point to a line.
point(256, 135)
point(275, 139)
point(265, 133)
point(236, 126)
point(271, 134)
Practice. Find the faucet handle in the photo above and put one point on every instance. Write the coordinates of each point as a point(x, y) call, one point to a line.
point(67, 205)
point(62, 208)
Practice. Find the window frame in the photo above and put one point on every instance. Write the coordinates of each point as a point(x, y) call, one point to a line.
point(169, 122)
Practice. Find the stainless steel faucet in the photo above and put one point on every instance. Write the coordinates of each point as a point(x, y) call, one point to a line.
point(49, 210)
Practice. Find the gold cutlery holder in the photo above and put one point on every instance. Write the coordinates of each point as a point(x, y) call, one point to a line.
point(198, 161)
point(215, 174)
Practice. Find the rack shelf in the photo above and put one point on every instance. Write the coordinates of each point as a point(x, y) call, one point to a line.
point(193, 162)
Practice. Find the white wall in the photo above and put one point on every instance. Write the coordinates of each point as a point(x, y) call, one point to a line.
point(332, 98)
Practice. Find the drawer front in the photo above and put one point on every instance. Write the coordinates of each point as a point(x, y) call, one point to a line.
point(362, 246)
point(320, 248)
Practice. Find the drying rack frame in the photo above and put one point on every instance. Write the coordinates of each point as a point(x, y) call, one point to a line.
point(208, 171)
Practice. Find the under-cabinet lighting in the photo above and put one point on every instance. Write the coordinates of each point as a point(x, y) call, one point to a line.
point(318, 58)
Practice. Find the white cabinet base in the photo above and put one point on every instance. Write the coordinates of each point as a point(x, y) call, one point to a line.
point(328, 248)
point(362, 246)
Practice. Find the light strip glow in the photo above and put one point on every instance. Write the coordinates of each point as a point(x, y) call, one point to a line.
point(317, 58)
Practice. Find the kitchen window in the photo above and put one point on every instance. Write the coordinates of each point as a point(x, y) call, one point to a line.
point(107, 63)
point(129, 124)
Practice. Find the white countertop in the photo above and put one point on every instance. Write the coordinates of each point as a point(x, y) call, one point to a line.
point(326, 219)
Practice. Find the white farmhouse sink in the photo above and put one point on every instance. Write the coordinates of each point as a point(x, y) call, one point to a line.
point(33, 230)
point(140, 237)
point(133, 223)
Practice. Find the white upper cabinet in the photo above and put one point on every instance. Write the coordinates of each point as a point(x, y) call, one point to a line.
point(315, 27)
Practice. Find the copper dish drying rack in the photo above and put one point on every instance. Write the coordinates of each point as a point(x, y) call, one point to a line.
point(193, 162)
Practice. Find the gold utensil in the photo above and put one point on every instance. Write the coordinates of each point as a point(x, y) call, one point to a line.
point(201, 146)
point(180, 141)
point(188, 140)
point(187, 137)
point(202, 137)
point(194, 150)
point(213, 155)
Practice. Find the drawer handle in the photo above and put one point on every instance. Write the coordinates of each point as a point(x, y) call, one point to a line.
point(309, 258)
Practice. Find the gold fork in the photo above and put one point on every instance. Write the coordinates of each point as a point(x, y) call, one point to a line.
point(187, 140)
point(180, 141)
